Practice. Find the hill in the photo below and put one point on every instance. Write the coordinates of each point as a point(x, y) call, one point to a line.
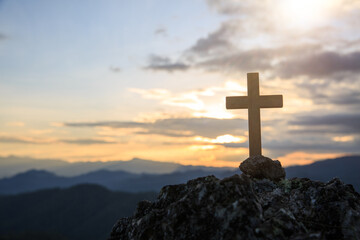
point(346, 168)
point(243, 207)
point(80, 212)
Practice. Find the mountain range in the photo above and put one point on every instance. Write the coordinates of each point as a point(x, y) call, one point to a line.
point(12, 165)
point(39, 204)
point(33, 180)
point(346, 168)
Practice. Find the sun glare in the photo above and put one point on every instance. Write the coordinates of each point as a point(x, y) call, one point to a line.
point(227, 138)
point(343, 139)
point(304, 13)
point(214, 114)
point(202, 147)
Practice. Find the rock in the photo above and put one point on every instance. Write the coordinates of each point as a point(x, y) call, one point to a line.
point(263, 167)
point(242, 207)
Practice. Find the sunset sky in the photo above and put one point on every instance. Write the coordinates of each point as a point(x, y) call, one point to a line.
point(112, 80)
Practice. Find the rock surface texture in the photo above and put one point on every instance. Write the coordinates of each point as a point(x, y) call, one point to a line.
point(263, 167)
point(242, 207)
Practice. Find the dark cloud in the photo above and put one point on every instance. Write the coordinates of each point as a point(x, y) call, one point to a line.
point(334, 123)
point(160, 31)
point(285, 147)
point(158, 63)
point(16, 140)
point(164, 132)
point(83, 141)
point(115, 69)
point(3, 36)
point(344, 98)
point(286, 61)
point(222, 50)
point(347, 98)
point(329, 92)
point(216, 52)
point(112, 124)
point(215, 43)
point(310, 63)
point(321, 64)
point(178, 127)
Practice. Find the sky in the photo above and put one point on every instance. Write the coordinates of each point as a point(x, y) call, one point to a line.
point(114, 80)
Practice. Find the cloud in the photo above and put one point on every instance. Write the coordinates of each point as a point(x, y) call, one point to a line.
point(321, 64)
point(349, 98)
point(158, 63)
point(341, 92)
point(311, 144)
point(115, 69)
point(250, 39)
point(215, 53)
point(252, 60)
point(345, 123)
point(3, 37)
point(113, 124)
point(26, 140)
point(216, 42)
point(178, 127)
point(15, 140)
point(207, 127)
point(86, 141)
point(160, 31)
point(232, 7)
point(346, 98)
point(236, 145)
point(31, 140)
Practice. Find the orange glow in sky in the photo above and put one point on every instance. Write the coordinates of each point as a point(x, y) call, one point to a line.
point(116, 80)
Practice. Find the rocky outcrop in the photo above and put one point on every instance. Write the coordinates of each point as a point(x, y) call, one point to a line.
point(243, 207)
point(263, 167)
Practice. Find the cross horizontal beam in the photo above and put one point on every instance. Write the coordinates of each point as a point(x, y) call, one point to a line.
point(265, 101)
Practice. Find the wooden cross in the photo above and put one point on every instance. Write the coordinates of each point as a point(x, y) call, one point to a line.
point(253, 102)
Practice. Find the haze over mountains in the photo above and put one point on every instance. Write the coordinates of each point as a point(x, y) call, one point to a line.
point(12, 165)
point(346, 168)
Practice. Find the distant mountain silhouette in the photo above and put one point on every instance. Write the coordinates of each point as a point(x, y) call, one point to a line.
point(346, 168)
point(114, 180)
point(40, 179)
point(79, 212)
point(12, 165)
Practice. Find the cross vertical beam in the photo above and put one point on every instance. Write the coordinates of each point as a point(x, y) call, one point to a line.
point(254, 114)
